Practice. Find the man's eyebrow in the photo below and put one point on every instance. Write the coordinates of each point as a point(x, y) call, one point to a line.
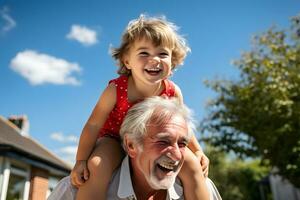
point(162, 135)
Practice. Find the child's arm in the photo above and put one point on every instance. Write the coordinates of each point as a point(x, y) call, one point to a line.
point(194, 145)
point(90, 133)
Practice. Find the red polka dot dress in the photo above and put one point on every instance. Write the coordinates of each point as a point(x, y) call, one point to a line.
point(113, 123)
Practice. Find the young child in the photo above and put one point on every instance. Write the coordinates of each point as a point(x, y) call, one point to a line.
point(150, 51)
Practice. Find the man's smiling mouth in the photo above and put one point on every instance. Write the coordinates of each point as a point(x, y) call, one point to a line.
point(167, 165)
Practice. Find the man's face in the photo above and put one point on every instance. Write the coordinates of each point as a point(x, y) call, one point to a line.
point(160, 156)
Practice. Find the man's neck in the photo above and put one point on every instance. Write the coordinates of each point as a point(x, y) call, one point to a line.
point(153, 195)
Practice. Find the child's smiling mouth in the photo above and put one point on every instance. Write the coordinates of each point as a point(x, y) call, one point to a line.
point(153, 71)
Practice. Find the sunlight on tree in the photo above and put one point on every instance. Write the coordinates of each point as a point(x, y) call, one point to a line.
point(259, 114)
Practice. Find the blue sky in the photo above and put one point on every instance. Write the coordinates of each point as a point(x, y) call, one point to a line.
point(55, 62)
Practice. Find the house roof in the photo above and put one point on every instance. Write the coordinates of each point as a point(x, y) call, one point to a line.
point(11, 141)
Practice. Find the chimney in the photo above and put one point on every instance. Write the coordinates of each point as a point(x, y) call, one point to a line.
point(22, 122)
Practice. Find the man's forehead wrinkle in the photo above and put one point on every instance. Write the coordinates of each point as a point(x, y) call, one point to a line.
point(159, 135)
point(166, 136)
point(167, 128)
point(165, 125)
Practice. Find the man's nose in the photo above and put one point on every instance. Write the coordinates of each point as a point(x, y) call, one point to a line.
point(175, 153)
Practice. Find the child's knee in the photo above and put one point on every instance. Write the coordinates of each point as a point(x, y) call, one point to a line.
point(95, 164)
point(101, 165)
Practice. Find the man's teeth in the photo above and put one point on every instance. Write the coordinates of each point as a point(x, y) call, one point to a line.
point(170, 166)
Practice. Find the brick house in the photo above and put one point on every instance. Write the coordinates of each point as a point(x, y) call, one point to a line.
point(27, 169)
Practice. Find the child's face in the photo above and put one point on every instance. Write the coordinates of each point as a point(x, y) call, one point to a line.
point(147, 62)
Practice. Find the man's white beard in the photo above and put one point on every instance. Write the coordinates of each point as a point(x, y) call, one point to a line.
point(164, 184)
point(156, 183)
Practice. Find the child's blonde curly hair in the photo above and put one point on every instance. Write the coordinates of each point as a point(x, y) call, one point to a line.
point(159, 31)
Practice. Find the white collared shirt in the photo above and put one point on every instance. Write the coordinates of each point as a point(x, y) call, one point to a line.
point(120, 187)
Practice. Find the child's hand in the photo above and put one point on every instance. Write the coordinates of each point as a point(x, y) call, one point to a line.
point(204, 161)
point(79, 173)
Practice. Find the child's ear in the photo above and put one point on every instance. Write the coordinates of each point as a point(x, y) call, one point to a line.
point(130, 147)
point(126, 61)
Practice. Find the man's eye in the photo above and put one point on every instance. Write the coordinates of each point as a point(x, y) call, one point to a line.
point(162, 142)
point(182, 144)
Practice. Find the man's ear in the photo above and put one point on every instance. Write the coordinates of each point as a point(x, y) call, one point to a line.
point(130, 146)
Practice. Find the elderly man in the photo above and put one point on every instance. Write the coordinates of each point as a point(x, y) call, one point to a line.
point(155, 134)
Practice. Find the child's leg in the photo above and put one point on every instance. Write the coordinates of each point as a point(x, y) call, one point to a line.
point(105, 158)
point(192, 178)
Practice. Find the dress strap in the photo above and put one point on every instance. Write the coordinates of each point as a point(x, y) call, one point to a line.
point(121, 84)
point(169, 88)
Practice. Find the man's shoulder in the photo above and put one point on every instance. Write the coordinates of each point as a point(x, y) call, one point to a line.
point(112, 193)
point(176, 191)
point(120, 186)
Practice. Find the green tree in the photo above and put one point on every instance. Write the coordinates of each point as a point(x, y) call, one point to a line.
point(259, 114)
point(234, 178)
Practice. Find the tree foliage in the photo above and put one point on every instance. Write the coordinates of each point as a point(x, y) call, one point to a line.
point(259, 114)
point(237, 179)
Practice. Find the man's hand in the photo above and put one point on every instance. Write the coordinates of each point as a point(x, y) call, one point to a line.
point(204, 161)
point(79, 173)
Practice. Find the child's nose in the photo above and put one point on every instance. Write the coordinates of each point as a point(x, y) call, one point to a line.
point(154, 59)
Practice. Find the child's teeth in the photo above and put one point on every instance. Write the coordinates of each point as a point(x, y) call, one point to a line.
point(155, 70)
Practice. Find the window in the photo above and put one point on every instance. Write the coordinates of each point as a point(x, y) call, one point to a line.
point(16, 185)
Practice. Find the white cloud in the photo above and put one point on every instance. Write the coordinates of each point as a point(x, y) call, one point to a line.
point(72, 138)
point(9, 22)
point(68, 154)
point(71, 159)
point(40, 68)
point(83, 35)
point(57, 137)
point(68, 150)
point(60, 137)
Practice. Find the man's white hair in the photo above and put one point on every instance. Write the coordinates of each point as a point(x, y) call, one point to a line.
point(154, 110)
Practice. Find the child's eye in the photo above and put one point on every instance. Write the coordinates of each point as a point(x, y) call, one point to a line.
point(163, 54)
point(143, 53)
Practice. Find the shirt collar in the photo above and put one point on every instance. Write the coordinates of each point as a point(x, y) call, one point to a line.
point(125, 189)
